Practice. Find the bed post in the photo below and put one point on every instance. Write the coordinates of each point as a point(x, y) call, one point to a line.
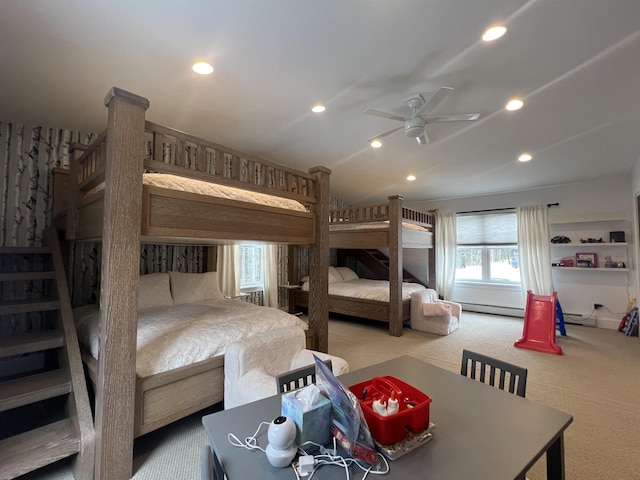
point(395, 265)
point(116, 381)
point(319, 264)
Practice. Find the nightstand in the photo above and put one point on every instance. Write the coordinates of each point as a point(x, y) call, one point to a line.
point(291, 295)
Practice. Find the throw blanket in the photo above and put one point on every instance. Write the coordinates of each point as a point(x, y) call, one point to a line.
point(171, 337)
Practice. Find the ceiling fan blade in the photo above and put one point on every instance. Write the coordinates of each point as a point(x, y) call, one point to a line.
point(436, 99)
point(386, 134)
point(378, 113)
point(422, 139)
point(453, 118)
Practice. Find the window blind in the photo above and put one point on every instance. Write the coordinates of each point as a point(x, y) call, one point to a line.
point(487, 229)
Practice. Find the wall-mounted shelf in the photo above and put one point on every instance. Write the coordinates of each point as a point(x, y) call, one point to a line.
point(589, 269)
point(589, 245)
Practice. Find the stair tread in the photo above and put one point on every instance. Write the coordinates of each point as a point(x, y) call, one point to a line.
point(29, 305)
point(39, 447)
point(12, 276)
point(33, 388)
point(24, 250)
point(30, 342)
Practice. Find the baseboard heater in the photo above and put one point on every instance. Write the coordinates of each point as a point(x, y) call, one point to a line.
point(493, 309)
point(579, 319)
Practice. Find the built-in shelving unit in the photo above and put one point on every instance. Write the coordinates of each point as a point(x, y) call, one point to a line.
point(596, 226)
point(581, 287)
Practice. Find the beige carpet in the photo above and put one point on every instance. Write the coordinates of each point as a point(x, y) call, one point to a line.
point(597, 380)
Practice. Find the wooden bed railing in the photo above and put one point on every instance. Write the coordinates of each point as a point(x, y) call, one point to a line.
point(171, 151)
point(378, 213)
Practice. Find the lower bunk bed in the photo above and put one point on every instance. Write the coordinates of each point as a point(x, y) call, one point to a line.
point(359, 297)
point(184, 325)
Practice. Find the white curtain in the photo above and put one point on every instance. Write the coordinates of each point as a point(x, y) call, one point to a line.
point(270, 275)
point(534, 249)
point(228, 267)
point(446, 254)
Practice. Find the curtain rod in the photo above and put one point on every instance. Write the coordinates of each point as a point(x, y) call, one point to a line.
point(503, 209)
point(489, 210)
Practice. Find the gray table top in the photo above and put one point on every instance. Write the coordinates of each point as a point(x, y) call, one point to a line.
point(481, 432)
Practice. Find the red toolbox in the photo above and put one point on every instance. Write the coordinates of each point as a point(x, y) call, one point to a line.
point(413, 410)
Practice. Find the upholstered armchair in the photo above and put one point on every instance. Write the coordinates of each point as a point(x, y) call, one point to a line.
point(428, 314)
point(251, 364)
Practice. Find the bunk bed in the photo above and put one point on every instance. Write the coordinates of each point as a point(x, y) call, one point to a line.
point(379, 226)
point(110, 200)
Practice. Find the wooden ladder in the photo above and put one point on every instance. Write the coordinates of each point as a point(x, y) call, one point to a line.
point(45, 414)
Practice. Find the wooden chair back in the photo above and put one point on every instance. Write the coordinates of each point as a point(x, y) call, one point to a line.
point(298, 378)
point(494, 372)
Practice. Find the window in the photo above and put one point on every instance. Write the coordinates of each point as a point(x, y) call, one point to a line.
point(487, 248)
point(252, 272)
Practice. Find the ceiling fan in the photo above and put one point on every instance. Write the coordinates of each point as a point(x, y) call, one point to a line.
point(415, 125)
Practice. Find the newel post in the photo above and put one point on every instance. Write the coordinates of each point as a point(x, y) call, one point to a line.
point(115, 395)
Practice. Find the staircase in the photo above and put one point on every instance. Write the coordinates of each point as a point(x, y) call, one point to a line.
point(45, 414)
point(373, 260)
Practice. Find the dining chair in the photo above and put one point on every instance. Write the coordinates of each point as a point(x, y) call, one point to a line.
point(487, 370)
point(298, 378)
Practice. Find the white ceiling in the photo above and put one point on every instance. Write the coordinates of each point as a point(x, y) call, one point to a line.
point(576, 63)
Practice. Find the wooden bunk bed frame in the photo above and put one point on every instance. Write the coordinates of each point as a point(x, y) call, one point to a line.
point(387, 232)
point(126, 213)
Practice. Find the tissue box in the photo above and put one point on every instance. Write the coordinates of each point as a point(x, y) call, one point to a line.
point(313, 422)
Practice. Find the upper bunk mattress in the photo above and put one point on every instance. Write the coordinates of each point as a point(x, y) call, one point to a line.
point(192, 185)
point(339, 226)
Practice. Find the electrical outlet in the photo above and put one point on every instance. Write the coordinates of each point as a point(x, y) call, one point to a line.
point(597, 306)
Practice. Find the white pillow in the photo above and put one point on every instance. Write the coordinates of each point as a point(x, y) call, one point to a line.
point(347, 274)
point(154, 291)
point(194, 287)
point(334, 275)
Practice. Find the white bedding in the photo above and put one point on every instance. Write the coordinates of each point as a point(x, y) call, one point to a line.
point(170, 337)
point(175, 182)
point(369, 289)
point(367, 225)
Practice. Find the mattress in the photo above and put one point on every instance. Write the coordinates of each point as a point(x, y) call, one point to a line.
point(191, 185)
point(171, 337)
point(340, 226)
point(368, 289)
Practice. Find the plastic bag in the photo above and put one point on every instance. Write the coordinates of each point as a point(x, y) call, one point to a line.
point(348, 424)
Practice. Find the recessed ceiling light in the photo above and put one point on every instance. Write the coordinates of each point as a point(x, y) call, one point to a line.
point(376, 143)
point(514, 104)
point(525, 157)
point(318, 108)
point(411, 177)
point(494, 32)
point(203, 68)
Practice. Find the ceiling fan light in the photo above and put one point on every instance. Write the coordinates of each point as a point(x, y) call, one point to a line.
point(414, 127)
point(421, 139)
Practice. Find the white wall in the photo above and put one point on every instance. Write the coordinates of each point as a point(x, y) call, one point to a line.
point(612, 195)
